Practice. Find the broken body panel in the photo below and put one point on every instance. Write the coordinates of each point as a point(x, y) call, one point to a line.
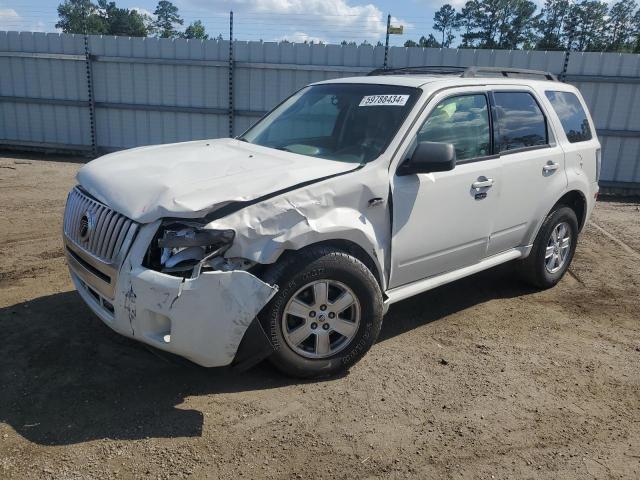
point(205, 318)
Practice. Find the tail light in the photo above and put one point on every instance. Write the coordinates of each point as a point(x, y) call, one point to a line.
point(598, 164)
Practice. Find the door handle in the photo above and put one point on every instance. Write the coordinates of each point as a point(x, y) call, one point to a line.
point(550, 167)
point(483, 182)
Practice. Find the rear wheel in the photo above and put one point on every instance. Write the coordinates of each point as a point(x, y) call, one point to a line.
point(552, 249)
point(326, 315)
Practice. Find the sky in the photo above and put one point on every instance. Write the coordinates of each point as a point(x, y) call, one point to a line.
point(330, 21)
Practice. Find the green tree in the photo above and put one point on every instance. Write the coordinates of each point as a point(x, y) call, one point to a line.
point(446, 21)
point(517, 29)
point(621, 23)
point(196, 31)
point(424, 42)
point(167, 19)
point(498, 23)
point(551, 25)
point(468, 22)
point(429, 42)
point(122, 21)
point(636, 32)
point(80, 16)
point(586, 26)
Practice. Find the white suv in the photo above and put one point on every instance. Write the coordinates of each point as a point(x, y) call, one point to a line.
point(292, 240)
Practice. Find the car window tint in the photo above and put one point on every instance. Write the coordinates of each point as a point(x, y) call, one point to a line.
point(572, 116)
point(462, 121)
point(520, 122)
point(344, 122)
point(312, 120)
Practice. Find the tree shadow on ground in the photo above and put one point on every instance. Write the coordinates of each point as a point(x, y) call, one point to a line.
point(66, 378)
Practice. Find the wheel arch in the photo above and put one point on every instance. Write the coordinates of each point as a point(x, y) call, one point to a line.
point(577, 201)
point(574, 199)
point(347, 246)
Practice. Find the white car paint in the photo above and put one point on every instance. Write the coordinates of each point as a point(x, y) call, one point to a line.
point(190, 179)
point(433, 233)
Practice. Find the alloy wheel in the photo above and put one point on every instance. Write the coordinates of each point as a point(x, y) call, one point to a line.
point(321, 319)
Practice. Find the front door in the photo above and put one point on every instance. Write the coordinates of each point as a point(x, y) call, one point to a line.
point(442, 221)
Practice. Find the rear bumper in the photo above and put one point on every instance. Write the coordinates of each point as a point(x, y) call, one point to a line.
point(203, 319)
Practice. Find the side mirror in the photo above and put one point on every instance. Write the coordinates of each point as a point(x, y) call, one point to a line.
point(430, 157)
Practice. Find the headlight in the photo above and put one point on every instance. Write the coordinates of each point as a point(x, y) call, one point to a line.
point(183, 246)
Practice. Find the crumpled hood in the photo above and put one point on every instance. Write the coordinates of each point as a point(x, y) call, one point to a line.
point(193, 178)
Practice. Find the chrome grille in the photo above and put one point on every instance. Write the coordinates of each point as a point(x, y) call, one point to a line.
point(96, 228)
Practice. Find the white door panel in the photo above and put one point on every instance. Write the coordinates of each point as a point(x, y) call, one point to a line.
point(440, 221)
point(529, 181)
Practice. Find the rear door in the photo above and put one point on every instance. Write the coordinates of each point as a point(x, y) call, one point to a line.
point(533, 166)
point(442, 221)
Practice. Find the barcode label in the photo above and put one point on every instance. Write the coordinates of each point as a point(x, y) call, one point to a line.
point(378, 100)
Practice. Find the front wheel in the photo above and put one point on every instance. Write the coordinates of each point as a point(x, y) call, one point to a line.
point(552, 249)
point(326, 315)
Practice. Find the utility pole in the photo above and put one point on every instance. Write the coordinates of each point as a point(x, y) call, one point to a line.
point(386, 43)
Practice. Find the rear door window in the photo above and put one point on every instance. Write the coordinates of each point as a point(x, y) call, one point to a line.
point(520, 122)
point(572, 116)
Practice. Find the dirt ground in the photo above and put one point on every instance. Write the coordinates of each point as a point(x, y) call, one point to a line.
point(483, 378)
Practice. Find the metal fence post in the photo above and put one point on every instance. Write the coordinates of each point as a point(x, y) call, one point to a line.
point(89, 72)
point(90, 97)
point(231, 68)
point(567, 53)
point(386, 43)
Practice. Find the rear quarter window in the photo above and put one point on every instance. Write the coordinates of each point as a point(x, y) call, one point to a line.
point(520, 123)
point(571, 114)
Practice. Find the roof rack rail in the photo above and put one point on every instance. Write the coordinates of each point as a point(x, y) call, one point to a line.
point(467, 72)
point(433, 69)
point(473, 72)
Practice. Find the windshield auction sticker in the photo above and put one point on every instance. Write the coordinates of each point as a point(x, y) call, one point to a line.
point(384, 100)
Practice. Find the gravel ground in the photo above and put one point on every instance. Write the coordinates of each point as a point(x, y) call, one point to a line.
point(483, 378)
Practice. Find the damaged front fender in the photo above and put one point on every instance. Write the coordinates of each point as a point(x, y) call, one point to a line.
point(355, 211)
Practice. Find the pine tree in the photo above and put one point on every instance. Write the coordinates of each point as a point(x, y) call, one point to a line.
point(167, 18)
point(80, 16)
point(446, 21)
point(621, 23)
point(196, 30)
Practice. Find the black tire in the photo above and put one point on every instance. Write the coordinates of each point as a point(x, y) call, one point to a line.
point(533, 269)
point(321, 263)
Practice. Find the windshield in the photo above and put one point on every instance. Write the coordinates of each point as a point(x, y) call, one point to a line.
point(346, 122)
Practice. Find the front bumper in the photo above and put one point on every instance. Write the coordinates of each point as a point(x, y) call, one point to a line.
point(202, 319)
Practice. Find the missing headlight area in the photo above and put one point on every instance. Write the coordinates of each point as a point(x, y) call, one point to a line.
point(184, 249)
